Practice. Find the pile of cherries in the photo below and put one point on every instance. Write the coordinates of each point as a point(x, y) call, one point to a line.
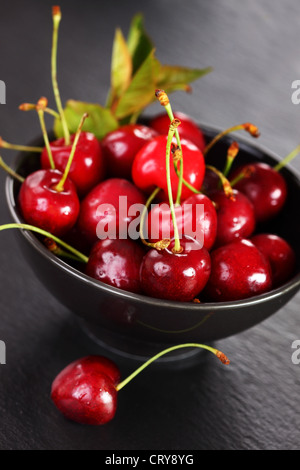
point(235, 262)
point(76, 179)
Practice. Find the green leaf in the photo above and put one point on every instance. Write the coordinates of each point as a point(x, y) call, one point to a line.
point(100, 120)
point(138, 41)
point(121, 66)
point(141, 89)
point(171, 78)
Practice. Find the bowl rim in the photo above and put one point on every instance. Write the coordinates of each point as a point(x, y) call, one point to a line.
point(30, 237)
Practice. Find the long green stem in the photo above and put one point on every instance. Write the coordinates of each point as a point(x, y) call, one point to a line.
point(20, 148)
point(31, 107)
point(248, 127)
point(32, 228)
point(180, 176)
point(161, 244)
point(40, 110)
point(287, 159)
point(58, 251)
point(224, 181)
point(177, 247)
point(187, 184)
point(10, 171)
point(216, 352)
point(60, 186)
point(56, 15)
point(164, 100)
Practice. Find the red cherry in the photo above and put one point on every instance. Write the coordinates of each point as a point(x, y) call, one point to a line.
point(121, 146)
point(211, 181)
point(45, 207)
point(236, 217)
point(107, 195)
point(176, 276)
point(117, 263)
point(189, 219)
point(85, 391)
point(188, 128)
point(238, 271)
point(87, 167)
point(149, 168)
point(264, 187)
point(280, 254)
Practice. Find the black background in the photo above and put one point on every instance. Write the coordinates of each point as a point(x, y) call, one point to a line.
point(254, 50)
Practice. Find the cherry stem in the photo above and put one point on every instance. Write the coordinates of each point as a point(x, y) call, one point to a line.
point(186, 183)
point(10, 171)
point(177, 248)
point(231, 154)
point(161, 244)
point(40, 107)
point(31, 107)
point(80, 256)
point(21, 148)
point(245, 173)
point(56, 15)
point(287, 159)
point(60, 186)
point(248, 127)
point(162, 96)
point(227, 186)
point(216, 352)
point(56, 250)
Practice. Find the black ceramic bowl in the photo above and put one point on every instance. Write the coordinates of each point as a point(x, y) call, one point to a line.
point(140, 326)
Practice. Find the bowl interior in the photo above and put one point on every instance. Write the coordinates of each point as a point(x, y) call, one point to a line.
point(146, 320)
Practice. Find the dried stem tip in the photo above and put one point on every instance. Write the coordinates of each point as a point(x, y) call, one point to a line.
point(252, 129)
point(177, 154)
point(162, 97)
point(27, 106)
point(223, 358)
point(56, 12)
point(174, 124)
point(245, 173)
point(42, 104)
point(51, 245)
point(233, 150)
point(162, 244)
point(227, 186)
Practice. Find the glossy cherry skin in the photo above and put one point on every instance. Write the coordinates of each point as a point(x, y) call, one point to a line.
point(87, 167)
point(85, 391)
point(236, 217)
point(197, 214)
point(280, 254)
point(211, 181)
point(265, 188)
point(107, 194)
point(188, 129)
point(121, 146)
point(117, 263)
point(238, 271)
point(176, 276)
point(44, 207)
point(149, 168)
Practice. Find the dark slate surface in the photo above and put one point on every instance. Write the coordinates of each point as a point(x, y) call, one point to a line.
point(254, 403)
